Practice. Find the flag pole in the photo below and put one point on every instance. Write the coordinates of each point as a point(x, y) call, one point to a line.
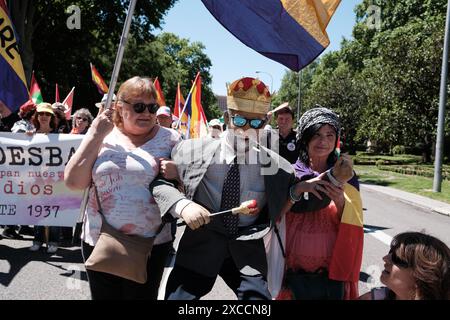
point(120, 51)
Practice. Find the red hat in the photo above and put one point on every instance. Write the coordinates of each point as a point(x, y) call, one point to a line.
point(27, 107)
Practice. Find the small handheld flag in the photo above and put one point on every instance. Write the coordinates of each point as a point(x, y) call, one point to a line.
point(98, 80)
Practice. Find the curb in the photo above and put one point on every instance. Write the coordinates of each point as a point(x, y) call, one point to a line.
point(440, 210)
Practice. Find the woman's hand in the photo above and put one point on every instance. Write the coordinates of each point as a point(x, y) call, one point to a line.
point(102, 124)
point(313, 186)
point(168, 169)
point(336, 194)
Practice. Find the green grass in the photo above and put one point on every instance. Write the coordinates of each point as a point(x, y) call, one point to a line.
point(415, 184)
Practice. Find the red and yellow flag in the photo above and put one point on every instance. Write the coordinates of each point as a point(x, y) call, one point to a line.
point(160, 96)
point(98, 80)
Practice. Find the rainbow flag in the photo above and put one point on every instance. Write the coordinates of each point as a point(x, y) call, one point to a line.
point(160, 96)
point(13, 84)
point(98, 80)
point(291, 32)
point(193, 114)
point(179, 103)
point(35, 91)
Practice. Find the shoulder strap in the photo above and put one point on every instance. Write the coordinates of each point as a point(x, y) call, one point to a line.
point(98, 200)
point(275, 228)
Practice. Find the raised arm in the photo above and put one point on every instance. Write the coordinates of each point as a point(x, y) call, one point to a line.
point(78, 171)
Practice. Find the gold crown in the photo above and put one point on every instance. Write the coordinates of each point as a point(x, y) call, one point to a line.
point(249, 95)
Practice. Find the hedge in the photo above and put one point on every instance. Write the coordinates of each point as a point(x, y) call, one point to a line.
point(416, 170)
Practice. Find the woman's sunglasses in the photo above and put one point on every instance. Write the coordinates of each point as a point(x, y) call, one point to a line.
point(47, 114)
point(397, 261)
point(240, 121)
point(140, 107)
point(82, 119)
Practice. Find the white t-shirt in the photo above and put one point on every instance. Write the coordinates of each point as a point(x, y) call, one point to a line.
point(122, 178)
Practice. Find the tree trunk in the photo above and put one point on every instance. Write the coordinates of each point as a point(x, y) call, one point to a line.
point(22, 15)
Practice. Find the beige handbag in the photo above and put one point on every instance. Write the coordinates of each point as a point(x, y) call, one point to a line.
point(119, 254)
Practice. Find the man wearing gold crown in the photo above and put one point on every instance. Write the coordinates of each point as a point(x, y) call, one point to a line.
point(217, 175)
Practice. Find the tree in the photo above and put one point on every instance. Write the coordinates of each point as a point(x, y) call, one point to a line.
point(289, 87)
point(402, 85)
point(60, 55)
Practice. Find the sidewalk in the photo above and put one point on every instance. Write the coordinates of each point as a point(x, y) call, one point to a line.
point(410, 198)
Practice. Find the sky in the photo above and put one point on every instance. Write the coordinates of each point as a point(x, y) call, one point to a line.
point(230, 58)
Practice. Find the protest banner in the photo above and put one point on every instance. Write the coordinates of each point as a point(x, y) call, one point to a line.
point(32, 189)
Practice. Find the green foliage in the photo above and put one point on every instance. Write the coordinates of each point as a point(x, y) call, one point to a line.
point(59, 55)
point(398, 150)
point(368, 159)
point(415, 184)
point(415, 170)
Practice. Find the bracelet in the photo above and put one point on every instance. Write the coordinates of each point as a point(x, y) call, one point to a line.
point(292, 196)
point(333, 180)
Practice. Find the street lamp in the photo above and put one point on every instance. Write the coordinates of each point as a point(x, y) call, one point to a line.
point(271, 79)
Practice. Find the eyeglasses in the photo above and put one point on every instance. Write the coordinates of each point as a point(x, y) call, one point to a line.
point(140, 107)
point(82, 119)
point(47, 114)
point(240, 121)
point(397, 261)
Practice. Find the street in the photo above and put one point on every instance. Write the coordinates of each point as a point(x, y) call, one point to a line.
point(30, 275)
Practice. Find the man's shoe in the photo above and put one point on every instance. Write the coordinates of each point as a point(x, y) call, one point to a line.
point(11, 234)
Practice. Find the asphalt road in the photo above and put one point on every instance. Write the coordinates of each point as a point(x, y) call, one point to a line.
point(33, 276)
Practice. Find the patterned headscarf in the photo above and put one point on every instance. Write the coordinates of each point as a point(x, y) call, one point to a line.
point(318, 115)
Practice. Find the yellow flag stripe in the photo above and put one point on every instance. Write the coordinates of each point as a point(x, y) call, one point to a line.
point(10, 47)
point(313, 16)
point(353, 213)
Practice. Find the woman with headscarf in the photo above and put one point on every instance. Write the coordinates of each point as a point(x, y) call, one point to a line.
point(324, 231)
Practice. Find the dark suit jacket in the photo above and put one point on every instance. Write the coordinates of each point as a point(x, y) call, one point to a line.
point(203, 250)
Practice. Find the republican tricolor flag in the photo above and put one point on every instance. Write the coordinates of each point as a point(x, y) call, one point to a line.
point(13, 85)
point(193, 114)
point(347, 254)
point(291, 32)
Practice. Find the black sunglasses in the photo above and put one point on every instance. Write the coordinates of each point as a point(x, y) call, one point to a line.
point(140, 107)
point(240, 121)
point(397, 261)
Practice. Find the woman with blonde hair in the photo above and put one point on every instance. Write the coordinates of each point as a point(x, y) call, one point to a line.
point(120, 157)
